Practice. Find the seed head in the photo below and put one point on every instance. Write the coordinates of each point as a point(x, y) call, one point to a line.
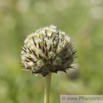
point(47, 50)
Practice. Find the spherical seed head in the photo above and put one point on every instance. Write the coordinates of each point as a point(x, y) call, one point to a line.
point(47, 50)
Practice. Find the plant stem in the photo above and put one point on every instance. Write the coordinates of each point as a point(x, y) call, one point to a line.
point(47, 88)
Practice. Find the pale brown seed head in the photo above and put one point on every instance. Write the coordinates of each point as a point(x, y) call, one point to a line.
point(47, 50)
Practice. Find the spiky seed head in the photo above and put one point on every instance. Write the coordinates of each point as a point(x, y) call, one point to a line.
point(47, 50)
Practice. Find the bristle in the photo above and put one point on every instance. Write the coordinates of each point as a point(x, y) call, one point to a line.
point(57, 44)
point(31, 59)
point(24, 50)
point(58, 33)
point(45, 44)
point(34, 54)
point(65, 71)
point(24, 47)
point(26, 69)
point(44, 59)
point(27, 60)
point(46, 53)
point(51, 35)
point(39, 46)
point(29, 50)
point(34, 41)
point(43, 50)
point(43, 39)
point(40, 56)
point(46, 33)
point(54, 39)
point(49, 49)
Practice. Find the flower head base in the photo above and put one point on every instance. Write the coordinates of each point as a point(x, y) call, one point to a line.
point(47, 50)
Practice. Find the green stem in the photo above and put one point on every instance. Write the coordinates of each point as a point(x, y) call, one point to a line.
point(47, 88)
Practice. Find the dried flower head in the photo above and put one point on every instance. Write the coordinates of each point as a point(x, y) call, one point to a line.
point(47, 50)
